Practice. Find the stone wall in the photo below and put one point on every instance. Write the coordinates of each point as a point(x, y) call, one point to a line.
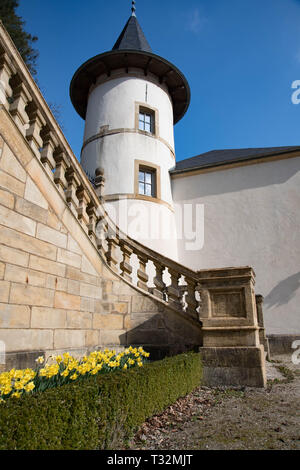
point(56, 293)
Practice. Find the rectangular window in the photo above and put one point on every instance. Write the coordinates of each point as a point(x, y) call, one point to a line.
point(146, 121)
point(147, 182)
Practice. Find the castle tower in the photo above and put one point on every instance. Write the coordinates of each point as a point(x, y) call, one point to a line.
point(130, 99)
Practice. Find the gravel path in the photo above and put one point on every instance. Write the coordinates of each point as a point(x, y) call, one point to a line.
point(226, 418)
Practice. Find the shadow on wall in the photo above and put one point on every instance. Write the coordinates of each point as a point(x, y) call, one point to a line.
point(162, 336)
point(283, 292)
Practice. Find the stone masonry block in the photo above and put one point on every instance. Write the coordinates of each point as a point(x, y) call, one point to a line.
point(11, 165)
point(52, 236)
point(4, 291)
point(26, 339)
point(11, 134)
point(79, 320)
point(102, 307)
point(51, 267)
point(73, 246)
point(57, 283)
point(88, 290)
point(69, 258)
point(14, 316)
point(31, 210)
point(29, 295)
point(112, 337)
point(13, 220)
point(92, 338)
point(66, 301)
point(48, 318)
point(108, 322)
point(144, 304)
point(49, 191)
point(12, 184)
point(87, 304)
point(7, 199)
point(77, 275)
point(34, 195)
point(25, 276)
point(87, 267)
point(73, 287)
point(120, 307)
point(10, 255)
point(69, 338)
point(26, 243)
point(121, 288)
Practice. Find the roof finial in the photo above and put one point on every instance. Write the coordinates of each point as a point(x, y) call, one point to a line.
point(133, 8)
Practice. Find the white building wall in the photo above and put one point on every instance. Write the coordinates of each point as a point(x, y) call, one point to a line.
point(251, 217)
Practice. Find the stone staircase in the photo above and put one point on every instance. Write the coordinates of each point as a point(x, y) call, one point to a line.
point(219, 305)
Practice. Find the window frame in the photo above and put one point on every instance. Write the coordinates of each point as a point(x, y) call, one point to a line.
point(145, 109)
point(144, 181)
point(142, 166)
point(143, 114)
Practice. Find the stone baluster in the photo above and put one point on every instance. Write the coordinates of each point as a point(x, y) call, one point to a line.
point(36, 123)
point(73, 184)
point(173, 290)
point(204, 304)
point(102, 230)
point(83, 200)
point(91, 212)
point(49, 145)
point(6, 72)
point(99, 182)
point(125, 266)
point(61, 165)
point(160, 287)
point(141, 272)
point(190, 298)
point(21, 97)
point(111, 254)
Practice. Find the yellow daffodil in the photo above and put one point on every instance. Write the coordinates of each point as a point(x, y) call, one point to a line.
point(40, 360)
point(30, 386)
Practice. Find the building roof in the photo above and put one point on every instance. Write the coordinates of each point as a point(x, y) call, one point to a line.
point(224, 157)
point(131, 50)
point(132, 37)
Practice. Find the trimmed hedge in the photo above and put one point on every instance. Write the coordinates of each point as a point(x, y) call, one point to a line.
point(99, 413)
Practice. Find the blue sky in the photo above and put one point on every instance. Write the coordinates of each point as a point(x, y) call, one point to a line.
point(240, 58)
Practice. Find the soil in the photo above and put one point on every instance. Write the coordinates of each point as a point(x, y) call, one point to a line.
point(237, 418)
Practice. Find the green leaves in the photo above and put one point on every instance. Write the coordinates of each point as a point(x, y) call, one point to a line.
point(23, 40)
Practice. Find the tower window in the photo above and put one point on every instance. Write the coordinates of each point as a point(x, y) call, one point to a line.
point(146, 121)
point(147, 182)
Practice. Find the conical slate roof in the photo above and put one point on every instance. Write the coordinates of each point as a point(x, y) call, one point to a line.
point(132, 37)
point(131, 51)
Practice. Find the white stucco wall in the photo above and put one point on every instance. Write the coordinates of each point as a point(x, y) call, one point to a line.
point(112, 103)
point(251, 217)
